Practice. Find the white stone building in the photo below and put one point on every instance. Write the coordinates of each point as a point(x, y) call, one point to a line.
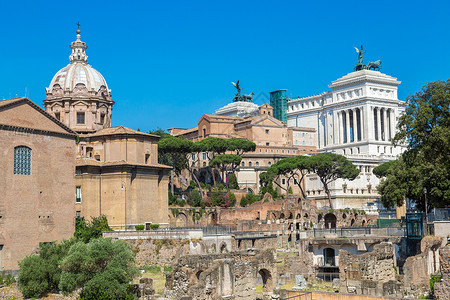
point(357, 118)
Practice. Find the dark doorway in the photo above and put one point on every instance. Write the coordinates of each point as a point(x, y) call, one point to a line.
point(330, 221)
point(329, 257)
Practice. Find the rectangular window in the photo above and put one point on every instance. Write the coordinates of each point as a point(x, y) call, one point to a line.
point(303, 134)
point(283, 181)
point(193, 156)
point(267, 131)
point(102, 119)
point(58, 116)
point(78, 214)
point(204, 156)
point(80, 117)
point(78, 194)
point(267, 144)
point(22, 160)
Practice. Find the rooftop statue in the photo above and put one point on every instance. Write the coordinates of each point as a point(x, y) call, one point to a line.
point(238, 97)
point(373, 65)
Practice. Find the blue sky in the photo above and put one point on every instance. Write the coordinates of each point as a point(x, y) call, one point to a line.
point(169, 62)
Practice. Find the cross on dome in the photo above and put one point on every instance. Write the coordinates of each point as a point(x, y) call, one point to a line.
point(78, 49)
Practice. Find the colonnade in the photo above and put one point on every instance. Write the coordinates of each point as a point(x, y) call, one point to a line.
point(354, 127)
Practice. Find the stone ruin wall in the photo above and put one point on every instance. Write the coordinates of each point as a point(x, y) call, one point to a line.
point(231, 275)
point(269, 215)
point(442, 289)
point(371, 273)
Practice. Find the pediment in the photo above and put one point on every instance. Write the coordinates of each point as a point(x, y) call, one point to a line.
point(26, 114)
point(266, 120)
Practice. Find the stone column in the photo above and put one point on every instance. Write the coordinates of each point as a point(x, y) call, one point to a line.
point(362, 126)
point(341, 128)
point(379, 123)
point(355, 126)
point(385, 125)
point(347, 125)
point(392, 123)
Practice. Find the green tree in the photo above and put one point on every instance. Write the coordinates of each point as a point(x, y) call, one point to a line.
point(329, 167)
point(173, 150)
point(232, 181)
point(85, 231)
point(425, 129)
point(212, 146)
point(194, 198)
point(240, 146)
point(226, 163)
point(382, 170)
point(40, 274)
point(102, 269)
point(293, 169)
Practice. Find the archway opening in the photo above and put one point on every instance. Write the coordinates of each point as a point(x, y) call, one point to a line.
point(329, 257)
point(266, 277)
point(223, 248)
point(281, 216)
point(330, 221)
point(352, 222)
point(198, 274)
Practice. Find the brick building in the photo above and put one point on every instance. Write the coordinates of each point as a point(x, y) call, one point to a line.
point(37, 168)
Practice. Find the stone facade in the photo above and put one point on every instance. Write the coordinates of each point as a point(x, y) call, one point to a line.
point(357, 119)
point(35, 206)
point(118, 175)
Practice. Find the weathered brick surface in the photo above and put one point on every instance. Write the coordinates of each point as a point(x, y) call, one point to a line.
point(38, 207)
point(442, 289)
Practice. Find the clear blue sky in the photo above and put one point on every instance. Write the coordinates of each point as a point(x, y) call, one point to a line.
point(169, 62)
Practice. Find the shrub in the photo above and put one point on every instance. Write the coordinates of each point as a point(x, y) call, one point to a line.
point(269, 189)
point(173, 200)
point(194, 198)
point(249, 199)
point(232, 181)
point(154, 226)
point(103, 269)
point(290, 191)
point(232, 199)
point(217, 199)
point(86, 231)
point(220, 186)
point(139, 227)
point(40, 274)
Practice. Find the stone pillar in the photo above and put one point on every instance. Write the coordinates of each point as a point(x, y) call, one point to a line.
point(355, 126)
point(341, 128)
point(379, 123)
point(385, 125)
point(362, 126)
point(347, 125)
point(392, 123)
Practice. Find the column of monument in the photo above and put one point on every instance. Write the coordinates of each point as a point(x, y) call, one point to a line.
point(347, 126)
point(379, 123)
point(355, 126)
point(385, 125)
point(392, 123)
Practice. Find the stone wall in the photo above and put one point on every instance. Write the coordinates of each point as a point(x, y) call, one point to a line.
point(418, 269)
point(373, 273)
point(442, 289)
point(232, 275)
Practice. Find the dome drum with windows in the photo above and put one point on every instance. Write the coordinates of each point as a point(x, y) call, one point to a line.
point(78, 95)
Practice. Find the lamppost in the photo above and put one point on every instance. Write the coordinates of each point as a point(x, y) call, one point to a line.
point(124, 188)
point(426, 204)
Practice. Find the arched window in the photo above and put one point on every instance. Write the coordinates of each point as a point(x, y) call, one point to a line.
point(22, 160)
point(257, 163)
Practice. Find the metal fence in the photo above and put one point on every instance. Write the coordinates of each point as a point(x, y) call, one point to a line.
point(358, 231)
point(439, 214)
point(298, 295)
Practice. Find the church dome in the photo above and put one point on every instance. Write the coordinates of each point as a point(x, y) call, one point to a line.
point(78, 78)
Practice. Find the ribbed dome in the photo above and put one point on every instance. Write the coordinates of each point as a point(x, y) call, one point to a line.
point(78, 72)
point(78, 78)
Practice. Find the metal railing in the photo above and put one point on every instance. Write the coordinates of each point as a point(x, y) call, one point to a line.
point(298, 295)
point(359, 231)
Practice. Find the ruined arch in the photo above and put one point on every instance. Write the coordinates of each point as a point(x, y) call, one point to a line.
point(181, 220)
point(266, 277)
point(352, 222)
point(299, 216)
point(223, 248)
point(305, 215)
point(330, 220)
point(319, 218)
point(282, 216)
point(291, 216)
point(199, 272)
